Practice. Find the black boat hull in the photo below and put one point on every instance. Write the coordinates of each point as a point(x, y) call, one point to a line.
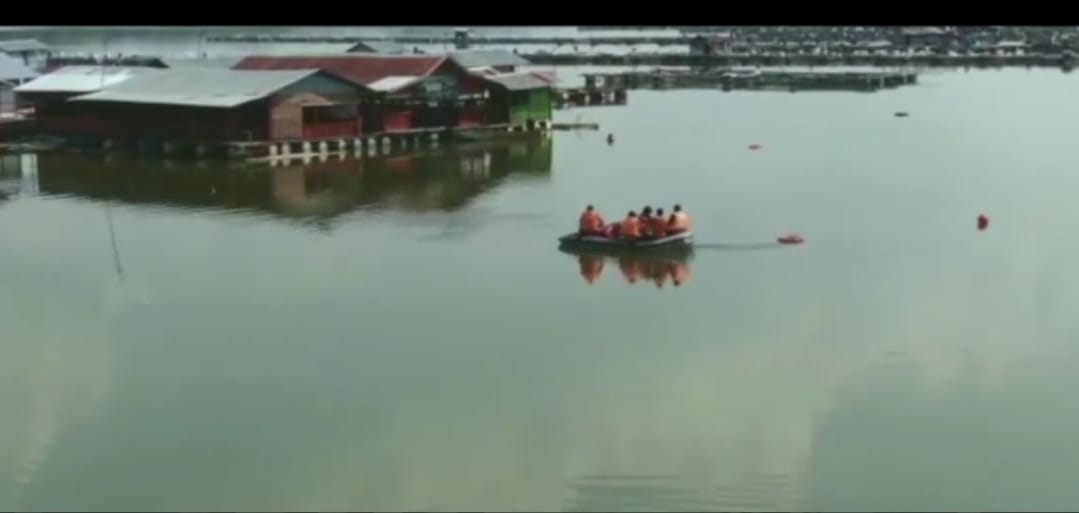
point(681, 243)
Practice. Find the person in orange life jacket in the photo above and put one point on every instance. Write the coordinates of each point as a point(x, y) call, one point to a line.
point(645, 220)
point(659, 225)
point(679, 221)
point(590, 223)
point(630, 227)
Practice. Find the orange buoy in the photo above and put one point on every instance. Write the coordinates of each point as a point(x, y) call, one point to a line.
point(754, 146)
point(983, 221)
point(792, 238)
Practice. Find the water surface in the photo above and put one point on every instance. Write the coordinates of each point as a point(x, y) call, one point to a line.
point(402, 333)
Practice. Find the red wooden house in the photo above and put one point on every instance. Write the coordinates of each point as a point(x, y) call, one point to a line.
point(399, 92)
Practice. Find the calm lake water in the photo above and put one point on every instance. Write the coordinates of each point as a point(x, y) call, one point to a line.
point(402, 333)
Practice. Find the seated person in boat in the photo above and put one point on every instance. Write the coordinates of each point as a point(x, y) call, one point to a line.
point(659, 225)
point(679, 221)
point(645, 220)
point(630, 227)
point(591, 223)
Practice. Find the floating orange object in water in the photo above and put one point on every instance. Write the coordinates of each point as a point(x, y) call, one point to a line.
point(983, 221)
point(792, 238)
point(754, 146)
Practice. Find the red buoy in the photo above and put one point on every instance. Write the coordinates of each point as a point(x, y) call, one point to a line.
point(792, 238)
point(983, 221)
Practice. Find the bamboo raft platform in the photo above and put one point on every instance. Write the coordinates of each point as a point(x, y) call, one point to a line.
point(731, 79)
point(779, 43)
point(590, 97)
point(1063, 61)
point(280, 153)
point(472, 40)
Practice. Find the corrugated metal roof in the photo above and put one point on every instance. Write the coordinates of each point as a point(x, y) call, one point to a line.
point(13, 69)
point(485, 71)
point(379, 47)
point(357, 68)
point(520, 81)
point(550, 75)
point(23, 45)
point(81, 79)
point(199, 87)
point(391, 84)
point(492, 57)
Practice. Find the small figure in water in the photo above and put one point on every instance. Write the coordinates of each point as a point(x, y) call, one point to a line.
point(591, 223)
point(679, 221)
point(610, 139)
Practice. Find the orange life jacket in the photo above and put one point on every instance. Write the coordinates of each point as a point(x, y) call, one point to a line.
point(659, 227)
point(679, 222)
point(645, 222)
point(631, 228)
point(591, 222)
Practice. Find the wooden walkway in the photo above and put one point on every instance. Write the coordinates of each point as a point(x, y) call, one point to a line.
point(472, 40)
point(385, 143)
point(590, 97)
point(733, 79)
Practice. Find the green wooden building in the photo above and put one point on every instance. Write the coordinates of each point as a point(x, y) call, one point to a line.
point(520, 98)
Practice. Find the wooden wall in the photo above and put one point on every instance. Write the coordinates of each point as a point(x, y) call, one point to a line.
point(286, 107)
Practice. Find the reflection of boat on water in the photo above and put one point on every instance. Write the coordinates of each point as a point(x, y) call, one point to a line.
point(9, 188)
point(656, 268)
point(680, 243)
point(446, 179)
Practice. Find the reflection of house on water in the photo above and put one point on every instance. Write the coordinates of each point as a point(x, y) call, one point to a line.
point(17, 175)
point(443, 179)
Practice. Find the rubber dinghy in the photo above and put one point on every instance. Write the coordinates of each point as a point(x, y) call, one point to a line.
point(674, 243)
